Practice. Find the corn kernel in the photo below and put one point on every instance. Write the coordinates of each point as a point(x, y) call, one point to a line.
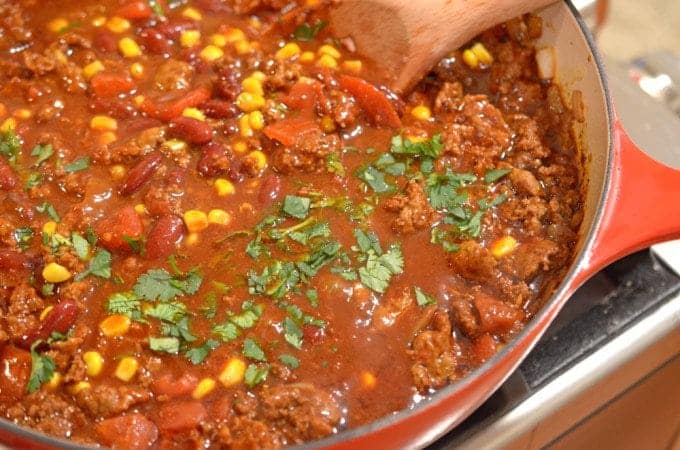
point(189, 38)
point(211, 53)
point(288, 51)
point(330, 51)
point(328, 124)
point(218, 40)
point(139, 99)
point(327, 62)
point(94, 362)
point(55, 273)
point(9, 124)
point(127, 368)
point(219, 217)
point(137, 70)
point(129, 48)
point(234, 35)
point(92, 69)
point(312, 2)
point(252, 85)
point(307, 57)
point(58, 25)
point(107, 137)
point(103, 123)
point(80, 387)
point(240, 147)
point(195, 220)
point(259, 158)
point(204, 387)
point(421, 112)
point(255, 22)
point(22, 113)
point(256, 120)
point(174, 146)
point(49, 227)
point(353, 66)
point(192, 239)
point(194, 113)
point(45, 312)
point(368, 380)
point(118, 24)
point(470, 58)
point(233, 372)
point(140, 209)
point(249, 102)
point(54, 381)
point(192, 13)
point(243, 47)
point(414, 139)
point(259, 76)
point(117, 172)
point(244, 126)
point(115, 325)
point(483, 55)
point(224, 187)
point(503, 246)
point(98, 21)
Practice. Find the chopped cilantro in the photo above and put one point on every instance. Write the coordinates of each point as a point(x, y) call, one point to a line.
point(423, 299)
point(255, 375)
point(367, 241)
point(43, 152)
point(334, 165)
point(127, 304)
point(100, 266)
point(47, 289)
point(10, 145)
point(252, 350)
point(78, 165)
point(256, 248)
point(23, 237)
point(209, 308)
point(164, 344)
point(227, 331)
point(292, 332)
point(137, 245)
point(493, 175)
point(374, 178)
point(313, 297)
point(158, 284)
point(156, 7)
point(250, 313)
point(34, 179)
point(80, 245)
point(317, 259)
point(47, 208)
point(179, 329)
point(379, 269)
point(307, 32)
point(42, 368)
point(431, 148)
point(388, 164)
point(295, 206)
point(303, 236)
point(171, 312)
point(289, 361)
point(198, 354)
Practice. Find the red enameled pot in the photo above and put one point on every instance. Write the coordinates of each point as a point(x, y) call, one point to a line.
point(631, 203)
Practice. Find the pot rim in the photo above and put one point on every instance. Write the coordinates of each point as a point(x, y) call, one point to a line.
point(552, 306)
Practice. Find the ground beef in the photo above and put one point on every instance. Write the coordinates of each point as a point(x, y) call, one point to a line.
point(308, 154)
point(464, 315)
point(160, 200)
point(415, 212)
point(300, 412)
point(245, 433)
point(126, 151)
point(343, 108)
point(474, 262)
point(448, 98)
point(433, 353)
point(529, 258)
point(173, 75)
point(525, 182)
point(47, 412)
point(105, 400)
point(391, 307)
point(23, 309)
point(528, 211)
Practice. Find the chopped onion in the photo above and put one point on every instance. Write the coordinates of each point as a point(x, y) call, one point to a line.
point(546, 62)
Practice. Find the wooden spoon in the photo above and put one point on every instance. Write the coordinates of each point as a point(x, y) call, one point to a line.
point(405, 38)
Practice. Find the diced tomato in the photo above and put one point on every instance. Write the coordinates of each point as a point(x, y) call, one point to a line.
point(8, 179)
point(125, 223)
point(483, 348)
point(303, 96)
point(173, 108)
point(60, 319)
point(135, 10)
point(181, 416)
point(15, 369)
point(111, 84)
point(496, 316)
point(374, 102)
point(133, 431)
point(168, 385)
point(290, 130)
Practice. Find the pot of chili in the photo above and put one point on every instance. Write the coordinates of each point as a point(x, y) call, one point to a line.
point(217, 231)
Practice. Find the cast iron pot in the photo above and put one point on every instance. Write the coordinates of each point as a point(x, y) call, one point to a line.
point(631, 202)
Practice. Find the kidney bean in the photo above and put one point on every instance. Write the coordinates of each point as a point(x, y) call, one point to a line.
point(211, 5)
point(164, 236)
point(135, 10)
point(140, 173)
point(312, 334)
point(155, 41)
point(176, 176)
point(8, 179)
point(270, 190)
point(105, 41)
point(213, 161)
point(227, 85)
point(219, 109)
point(14, 260)
point(60, 319)
point(234, 173)
point(19, 202)
point(191, 130)
point(114, 107)
point(174, 27)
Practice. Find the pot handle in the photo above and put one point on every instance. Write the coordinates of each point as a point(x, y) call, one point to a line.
point(643, 206)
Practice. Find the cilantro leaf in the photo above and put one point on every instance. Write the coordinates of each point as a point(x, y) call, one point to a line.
point(42, 368)
point(295, 206)
point(80, 245)
point(249, 315)
point(292, 332)
point(431, 148)
point(209, 308)
point(10, 145)
point(156, 284)
point(374, 178)
point(305, 235)
point(23, 237)
point(164, 344)
point(34, 179)
point(313, 297)
point(78, 165)
point(256, 248)
point(252, 350)
point(100, 266)
point(378, 271)
point(255, 375)
point(227, 332)
point(180, 329)
point(289, 361)
point(198, 354)
point(334, 165)
point(367, 241)
point(493, 175)
point(171, 312)
point(43, 152)
point(423, 299)
point(307, 32)
point(127, 304)
point(47, 208)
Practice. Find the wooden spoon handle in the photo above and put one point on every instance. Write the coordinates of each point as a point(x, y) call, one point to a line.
point(407, 37)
